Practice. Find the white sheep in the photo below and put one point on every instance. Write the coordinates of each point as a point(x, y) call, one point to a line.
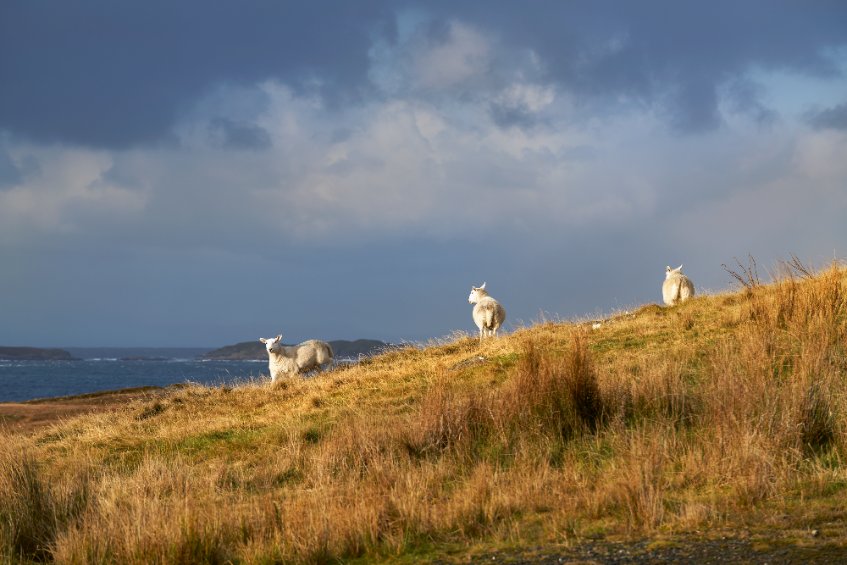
point(488, 314)
point(290, 360)
point(677, 287)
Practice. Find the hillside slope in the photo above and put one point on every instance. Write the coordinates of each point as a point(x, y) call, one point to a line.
point(725, 414)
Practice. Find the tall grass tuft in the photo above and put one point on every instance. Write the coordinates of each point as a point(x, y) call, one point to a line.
point(552, 395)
point(548, 399)
point(451, 421)
point(34, 511)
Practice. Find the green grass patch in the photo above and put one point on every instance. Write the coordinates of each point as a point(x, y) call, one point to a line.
point(219, 441)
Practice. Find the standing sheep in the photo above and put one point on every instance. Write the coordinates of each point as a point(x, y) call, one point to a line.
point(677, 287)
point(488, 314)
point(292, 360)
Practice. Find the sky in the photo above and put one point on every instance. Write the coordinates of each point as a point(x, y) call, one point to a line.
point(204, 173)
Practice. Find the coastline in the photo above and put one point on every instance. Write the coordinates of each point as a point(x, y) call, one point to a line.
point(31, 415)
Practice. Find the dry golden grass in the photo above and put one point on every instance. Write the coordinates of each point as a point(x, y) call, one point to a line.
point(662, 420)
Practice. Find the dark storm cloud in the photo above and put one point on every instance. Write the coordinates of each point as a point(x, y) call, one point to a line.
point(507, 116)
point(113, 74)
point(831, 118)
point(668, 53)
point(236, 135)
point(10, 175)
point(745, 96)
point(695, 107)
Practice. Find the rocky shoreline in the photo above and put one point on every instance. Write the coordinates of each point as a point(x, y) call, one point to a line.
point(31, 415)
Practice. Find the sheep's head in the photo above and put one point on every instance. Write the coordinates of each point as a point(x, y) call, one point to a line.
point(477, 293)
point(671, 272)
point(272, 344)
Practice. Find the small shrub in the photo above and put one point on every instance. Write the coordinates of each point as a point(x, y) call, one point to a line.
point(151, 410)
point(746, 275)
point(312, 435)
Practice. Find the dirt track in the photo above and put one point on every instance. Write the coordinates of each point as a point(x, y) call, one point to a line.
point(675, 550)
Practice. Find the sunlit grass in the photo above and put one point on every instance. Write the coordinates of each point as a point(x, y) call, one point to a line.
point(660, 420)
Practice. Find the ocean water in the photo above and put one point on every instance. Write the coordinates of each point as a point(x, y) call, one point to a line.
point(100, 369)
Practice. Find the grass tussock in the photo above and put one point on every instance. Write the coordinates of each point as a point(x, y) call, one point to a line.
point(666, 419)
point(33, 510)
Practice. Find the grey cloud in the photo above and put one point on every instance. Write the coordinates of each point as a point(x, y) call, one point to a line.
point(507, 116)
point(670, 54)
point(115, 75)
point(15, 171)
point(203, 227)
point(830, 118)
point(10, 175)
point(235, 135)
point(356, 162)
point(29, 165)
point(745, 97)
point(582, 153)
point(694, 108)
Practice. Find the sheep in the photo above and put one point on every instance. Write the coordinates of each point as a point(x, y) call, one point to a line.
point(488, 314)
point(677, 287)
point(295, 359)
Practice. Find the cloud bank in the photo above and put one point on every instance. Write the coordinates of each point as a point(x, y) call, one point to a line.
point(347, 162)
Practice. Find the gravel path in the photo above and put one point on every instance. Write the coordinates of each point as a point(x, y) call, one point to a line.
point(674, 551)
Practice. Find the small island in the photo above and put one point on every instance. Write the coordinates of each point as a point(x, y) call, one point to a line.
point(255, 351)
point(34, 354)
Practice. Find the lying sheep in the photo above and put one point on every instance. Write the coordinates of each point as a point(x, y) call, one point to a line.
point(677, 287)
point(488, 314)
point(290, 360)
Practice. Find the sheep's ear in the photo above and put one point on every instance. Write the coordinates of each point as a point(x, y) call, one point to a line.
point(263, 340)
point(278, 338)
point(679, 268)
point(668, 269)
point(482, 287)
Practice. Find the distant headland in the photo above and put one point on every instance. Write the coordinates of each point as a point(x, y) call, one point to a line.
point(253, 350)
point(34, 354)
point(244, 351)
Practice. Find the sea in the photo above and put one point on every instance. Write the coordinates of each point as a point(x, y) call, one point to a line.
point(111, 368)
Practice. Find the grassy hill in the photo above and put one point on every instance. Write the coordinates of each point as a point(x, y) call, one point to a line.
point(722, 416)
